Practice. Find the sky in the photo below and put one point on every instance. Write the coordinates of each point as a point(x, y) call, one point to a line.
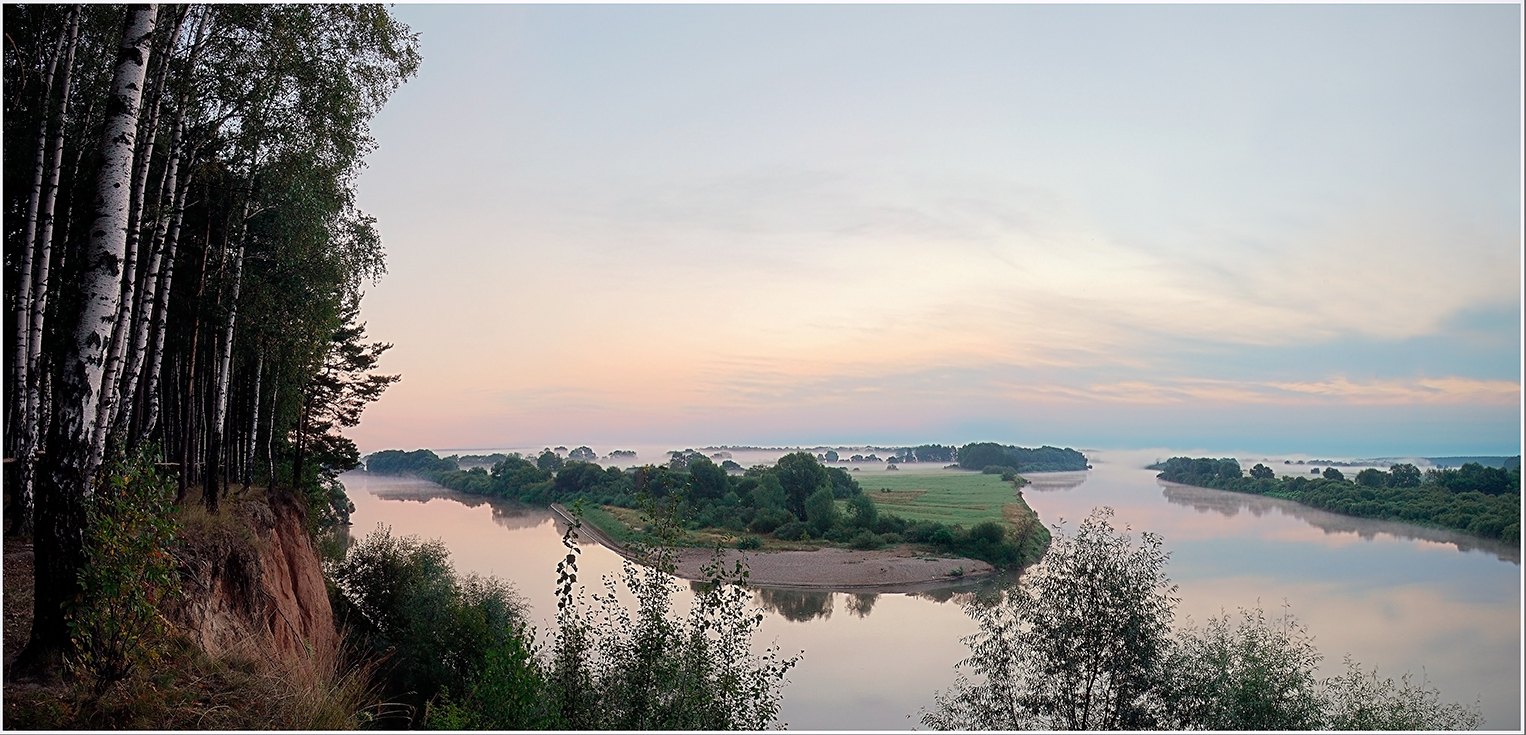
point(1234, 228)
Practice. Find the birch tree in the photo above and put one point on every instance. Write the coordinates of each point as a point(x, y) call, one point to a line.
point(69, 468)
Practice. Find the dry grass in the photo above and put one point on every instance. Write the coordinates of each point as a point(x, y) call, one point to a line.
point(193, 691)
point(246, 689)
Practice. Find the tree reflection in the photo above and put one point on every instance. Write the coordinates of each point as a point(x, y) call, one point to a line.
point(1229, 504)
point(797, 605)
point(861, 604)
point(1053, 481)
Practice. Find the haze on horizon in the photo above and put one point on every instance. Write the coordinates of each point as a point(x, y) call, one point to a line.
point(1284, 228)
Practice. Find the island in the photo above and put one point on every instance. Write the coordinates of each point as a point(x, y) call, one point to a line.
point(1474, 499)
point(799, 522)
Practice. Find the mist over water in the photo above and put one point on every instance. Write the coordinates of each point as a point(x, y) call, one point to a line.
point(1395, 596)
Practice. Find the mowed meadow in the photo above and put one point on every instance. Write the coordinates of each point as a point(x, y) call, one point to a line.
point(954, 498)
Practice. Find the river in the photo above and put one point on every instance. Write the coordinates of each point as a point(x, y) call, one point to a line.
point(1392, 595)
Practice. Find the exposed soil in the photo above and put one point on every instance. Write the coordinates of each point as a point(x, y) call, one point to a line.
point(894, 569)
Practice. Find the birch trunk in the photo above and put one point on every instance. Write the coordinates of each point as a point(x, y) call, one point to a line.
point(150, 414)
point(69, 465)
point(218, 426)
point(23, 304)
point(144, 311)
point(254, 422)
point(270, 432)
point(29, 430)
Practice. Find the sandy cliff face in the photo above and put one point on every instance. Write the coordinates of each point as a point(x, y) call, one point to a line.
point(253, 585)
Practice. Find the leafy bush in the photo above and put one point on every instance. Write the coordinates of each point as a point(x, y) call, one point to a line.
point(402, 599)
point(866, 540)
point(114, 621)
point(1085, 643)
point(749, 542)
point(614, 668)
point(792, 531)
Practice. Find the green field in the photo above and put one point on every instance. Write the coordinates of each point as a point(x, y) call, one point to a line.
point(952, 497)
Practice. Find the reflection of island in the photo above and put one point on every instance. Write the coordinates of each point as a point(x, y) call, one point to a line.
point(1050, 481)
point(506, 513)
point(1229, 504)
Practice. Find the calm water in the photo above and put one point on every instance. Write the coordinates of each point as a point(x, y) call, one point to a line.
point(1395, 596)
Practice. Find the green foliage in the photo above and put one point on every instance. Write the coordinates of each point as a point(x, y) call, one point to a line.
point(821, 511)
point(863, 512)
point(1085, 643)
point(645, 669)
point(1256, 676)
point(933, 453)
point(980, 455)
point(1483, 501)
point(420, 463)
point(549, 461)
point(509, 693)
point(401, 599)
point(1078, 647)
point(129, 532)
point(792, 531)
point(1357, 700)
point(800, 475)
point(749, 542)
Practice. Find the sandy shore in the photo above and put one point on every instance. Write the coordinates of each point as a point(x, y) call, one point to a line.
point(894, 569)
point(887, 570)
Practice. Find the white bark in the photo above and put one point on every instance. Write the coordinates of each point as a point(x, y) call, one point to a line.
point(155, 358)
point(254, 421)
point(111, 374)
point(85, 360)
point(144, 311)
point(29, 431)
point(23, 294)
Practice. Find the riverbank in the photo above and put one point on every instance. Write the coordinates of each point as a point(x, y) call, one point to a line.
point(898, 569)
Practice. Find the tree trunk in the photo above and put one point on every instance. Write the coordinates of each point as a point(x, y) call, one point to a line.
point(188, 404)
point(15, 412)
point(254, 421)
point(30, 432)
point(145, 310)
point(225, 363)
point(69, 466)
point(150, 413)
point(270, 433)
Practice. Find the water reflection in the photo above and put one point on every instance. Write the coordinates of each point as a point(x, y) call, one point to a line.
point(1054, 481)
point(1229, 504)
point(797, 605)
point(861, 604)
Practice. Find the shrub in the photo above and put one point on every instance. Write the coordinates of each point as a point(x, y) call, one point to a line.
point(792, 531)
point(749, 542)
point(128, 571)
point(866, 540)
point(401, 598)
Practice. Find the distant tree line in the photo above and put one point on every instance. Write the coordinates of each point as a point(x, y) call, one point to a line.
point(796, 499)
point(981, 455)
point(1478, 500)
